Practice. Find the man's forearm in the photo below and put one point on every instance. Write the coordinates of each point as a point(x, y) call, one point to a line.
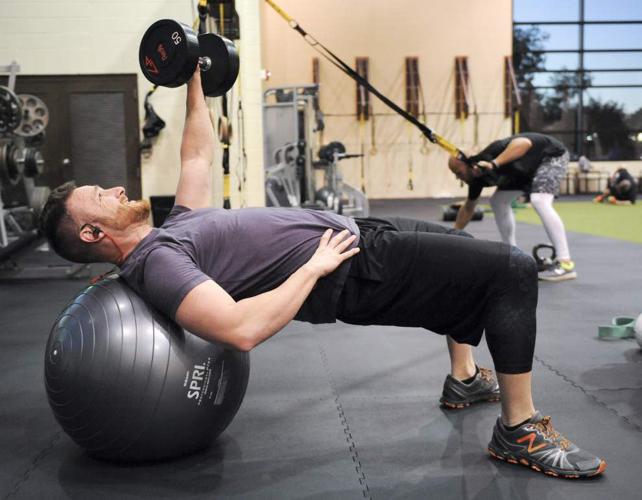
point(464, 214)
point(516, 148)
point(198, 134)
point(266, 314)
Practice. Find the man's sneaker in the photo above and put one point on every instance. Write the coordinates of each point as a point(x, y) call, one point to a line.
point(537, 445)
point(456, 394)
point(559, 271)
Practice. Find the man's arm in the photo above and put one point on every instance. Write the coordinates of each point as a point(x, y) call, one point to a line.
point(209, 312)
point(197, 150)
point(465, 214)
point(516, 148)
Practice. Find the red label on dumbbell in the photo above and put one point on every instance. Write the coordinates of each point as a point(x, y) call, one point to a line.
point(161, 52)
point(150, 65)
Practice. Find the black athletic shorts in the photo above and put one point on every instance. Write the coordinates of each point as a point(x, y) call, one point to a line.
point(419, 274)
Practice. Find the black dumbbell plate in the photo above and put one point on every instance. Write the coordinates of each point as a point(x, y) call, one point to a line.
point(168, 53)
point(225, 64)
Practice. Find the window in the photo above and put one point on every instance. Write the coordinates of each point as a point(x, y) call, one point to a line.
point(578, 64)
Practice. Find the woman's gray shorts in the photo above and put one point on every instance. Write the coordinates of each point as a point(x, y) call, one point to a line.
point(549, 174)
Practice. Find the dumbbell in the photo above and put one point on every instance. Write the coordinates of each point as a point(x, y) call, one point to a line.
point(170, 51)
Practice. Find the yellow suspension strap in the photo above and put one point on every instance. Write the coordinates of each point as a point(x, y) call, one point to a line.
point(412, 107)
point(511, 83)
point(363, 113)
point(339, 63)
point(373, 136)
point(224, 124)
point(241, 169)
point(461, 93)
point(471, 94)
point(475, 116)
point(316, 100)
point(362, 140)
point(424, 116)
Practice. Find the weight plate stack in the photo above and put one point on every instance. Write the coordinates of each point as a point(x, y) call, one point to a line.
point(35, 116)
point(11, 169)
point(10, 110)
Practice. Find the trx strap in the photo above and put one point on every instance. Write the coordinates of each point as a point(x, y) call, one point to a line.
point(363, 113)
point(373, 136)
point(424, 114)
point(152, 125)
point(224, 125)
point(518, 97)
point(339, 63)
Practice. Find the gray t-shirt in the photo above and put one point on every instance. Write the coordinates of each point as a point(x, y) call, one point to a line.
point(247, 252)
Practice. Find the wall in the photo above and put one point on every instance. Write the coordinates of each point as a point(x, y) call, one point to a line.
point(102, 36)
point(436, 31)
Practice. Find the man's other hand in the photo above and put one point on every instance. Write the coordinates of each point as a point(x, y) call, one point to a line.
point(332, 251)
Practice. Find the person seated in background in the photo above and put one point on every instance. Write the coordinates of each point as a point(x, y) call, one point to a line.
point(529, 162)
point(622, 189)
point(238, 277)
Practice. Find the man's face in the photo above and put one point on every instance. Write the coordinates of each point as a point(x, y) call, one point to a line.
point(460, 169)
point(109, 208)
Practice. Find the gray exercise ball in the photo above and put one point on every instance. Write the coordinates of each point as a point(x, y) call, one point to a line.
point(126, 383)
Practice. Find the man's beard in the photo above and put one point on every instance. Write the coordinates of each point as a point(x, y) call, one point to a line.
point(133, 212)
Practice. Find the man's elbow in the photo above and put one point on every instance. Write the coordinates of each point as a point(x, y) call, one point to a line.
point(243, 339)
point(236, 339)
point(244, 344)
point(250, 334)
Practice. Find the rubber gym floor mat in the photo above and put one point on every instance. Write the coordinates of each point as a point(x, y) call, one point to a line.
point(622, 222)
point(409, 448)
point(353, 414)
point(338, 411)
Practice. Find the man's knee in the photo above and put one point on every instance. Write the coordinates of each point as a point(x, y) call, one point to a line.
point(522, 269)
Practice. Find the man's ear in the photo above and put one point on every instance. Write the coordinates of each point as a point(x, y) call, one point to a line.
point(90, 233)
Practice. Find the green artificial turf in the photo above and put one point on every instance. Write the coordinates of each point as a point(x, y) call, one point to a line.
point(622, 222)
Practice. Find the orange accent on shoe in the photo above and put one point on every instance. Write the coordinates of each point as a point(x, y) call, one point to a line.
point(600, 469)
point(531, 439)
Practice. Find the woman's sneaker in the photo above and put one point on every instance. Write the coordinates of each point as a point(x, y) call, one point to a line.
point(558, 272)
point(537, 445)
point(457, 394)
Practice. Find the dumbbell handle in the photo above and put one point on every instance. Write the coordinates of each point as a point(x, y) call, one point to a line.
point(204, 63)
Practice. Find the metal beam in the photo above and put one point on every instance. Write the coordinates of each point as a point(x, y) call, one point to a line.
point(530, 23)
point(571, 51)
point(600, 70)
point(628, 86)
